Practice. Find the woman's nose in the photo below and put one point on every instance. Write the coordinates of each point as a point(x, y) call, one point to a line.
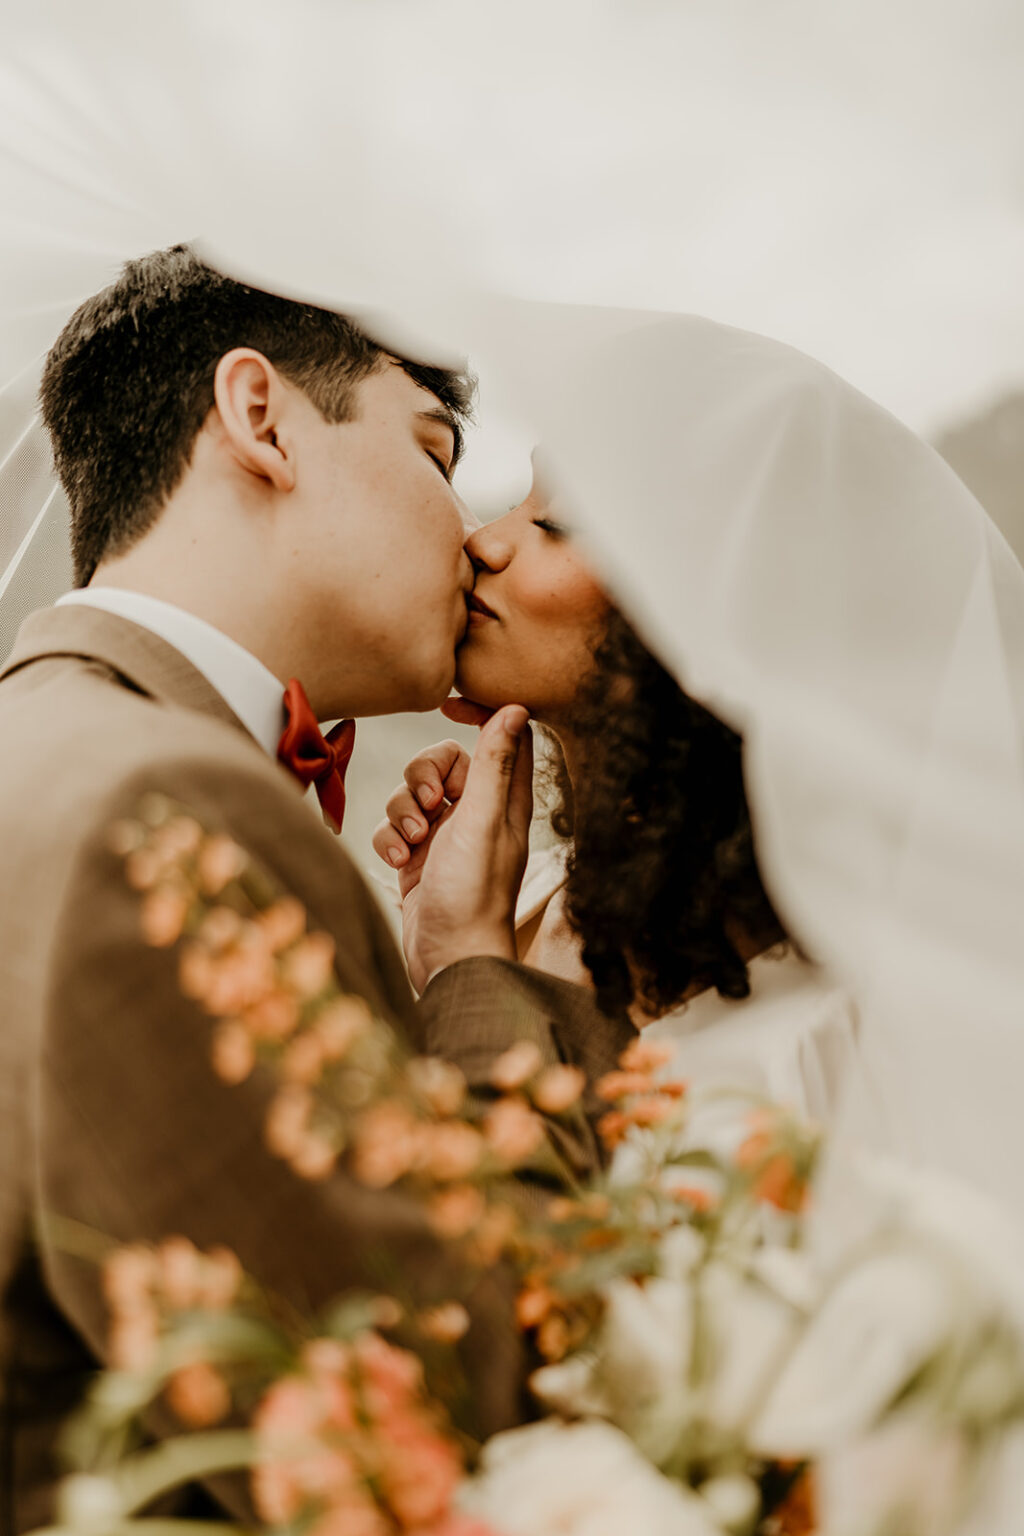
point(489, 546)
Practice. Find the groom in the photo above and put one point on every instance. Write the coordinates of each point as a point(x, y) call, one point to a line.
point(259, 493)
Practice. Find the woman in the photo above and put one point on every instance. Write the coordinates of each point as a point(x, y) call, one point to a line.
point(657, 899)
point(821, 581)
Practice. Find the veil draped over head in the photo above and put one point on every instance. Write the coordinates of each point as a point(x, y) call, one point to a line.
point(807, 566)
point(818, 576)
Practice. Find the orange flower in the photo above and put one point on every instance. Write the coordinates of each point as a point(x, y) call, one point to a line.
point(340, 1023)
point(516, 1066)
point(314, 1158)
point(236, 980)
point(303, 1061)
point(356, 1515)
point(309, 965)
point(776, 1180)
point(125, 837)
point(220, 861)
point(198, 1395)
point(512, 1130)
point(455, 1211)
point(196, 970)
point(283, 923)
point(292, 1413)
point(128, 1277)
point(533, 1304)
point(446, 1323)
point(493, 1232)
point(439, 1082)
point(797, 1515)
point(234, 1054)
point(143, 869)
point(179, 1272)
point(288, 1120)
point(612, 1128)
point(558, 1089)
point(164, 911)
point(616, 1085)
point(652, 1109)
point(645, 1055)
point(134, 1340)
point(221, 927)
point(387, 1142)
point(451, 1150)
point(696, 1198)
point(420, 1473)
point(221, 1279)
point(178, 838)
point(273, 1016)
point(553, 1337)
point(389, 1377)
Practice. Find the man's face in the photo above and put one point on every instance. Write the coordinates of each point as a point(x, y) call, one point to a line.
point(382, 568)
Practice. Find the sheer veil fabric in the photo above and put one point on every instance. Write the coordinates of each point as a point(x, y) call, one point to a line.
point(817, 575)
point(807, 566)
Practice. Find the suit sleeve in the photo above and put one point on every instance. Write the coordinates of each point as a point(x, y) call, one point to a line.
point(137, 1139)
point(474, 1010)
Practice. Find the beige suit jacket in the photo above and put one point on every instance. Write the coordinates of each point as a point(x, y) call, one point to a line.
point(110, 1115)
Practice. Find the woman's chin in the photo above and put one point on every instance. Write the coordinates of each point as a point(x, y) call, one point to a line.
point(474, 683)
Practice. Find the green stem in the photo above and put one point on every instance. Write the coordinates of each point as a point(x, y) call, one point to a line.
point(154, 1472)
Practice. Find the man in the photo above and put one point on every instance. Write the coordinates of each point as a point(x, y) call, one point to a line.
point(259, 494)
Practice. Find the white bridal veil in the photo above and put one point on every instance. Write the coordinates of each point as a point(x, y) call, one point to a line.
point(820, 577)
point(808, 566)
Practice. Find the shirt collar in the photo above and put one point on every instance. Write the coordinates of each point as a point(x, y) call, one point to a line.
point(252, 691)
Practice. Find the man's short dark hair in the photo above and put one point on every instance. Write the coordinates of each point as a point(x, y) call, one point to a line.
point(129, 383)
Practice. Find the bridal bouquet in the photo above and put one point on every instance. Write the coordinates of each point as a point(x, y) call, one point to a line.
point(698, 1370)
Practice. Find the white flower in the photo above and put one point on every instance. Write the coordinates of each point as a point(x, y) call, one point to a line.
point(587, 1479)
point(906, 1475)
point(873, 1332)
point(90, 1503)
point(734, 1499)
point(751, 1331)
point(638, 1377)
point(681, 1249)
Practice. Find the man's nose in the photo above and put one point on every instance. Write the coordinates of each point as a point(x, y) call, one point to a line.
point(470, 521)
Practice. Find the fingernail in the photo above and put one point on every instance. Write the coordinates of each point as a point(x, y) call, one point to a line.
point(515, 721)
point(411, 828)
point(396, 856)
point(427, 796)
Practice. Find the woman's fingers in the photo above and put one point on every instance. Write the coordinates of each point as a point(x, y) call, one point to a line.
point(390, 845)
point(438, 773)
point(434, 779)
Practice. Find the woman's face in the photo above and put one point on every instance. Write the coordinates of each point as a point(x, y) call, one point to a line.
point(535, 614)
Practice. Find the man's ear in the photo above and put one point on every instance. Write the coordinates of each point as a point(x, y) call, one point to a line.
point(251, 402)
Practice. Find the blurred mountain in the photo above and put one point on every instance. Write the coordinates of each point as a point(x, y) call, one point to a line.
point(987, 453)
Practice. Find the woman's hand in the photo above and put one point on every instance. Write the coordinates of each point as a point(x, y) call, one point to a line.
point(458, 831)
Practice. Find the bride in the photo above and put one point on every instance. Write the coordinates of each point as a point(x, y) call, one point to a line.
point(653, 894)
point(838, 632)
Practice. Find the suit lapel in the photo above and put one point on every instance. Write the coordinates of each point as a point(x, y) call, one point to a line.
point(141, 659)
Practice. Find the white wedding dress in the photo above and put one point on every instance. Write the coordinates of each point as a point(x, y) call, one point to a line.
point(793, 1040)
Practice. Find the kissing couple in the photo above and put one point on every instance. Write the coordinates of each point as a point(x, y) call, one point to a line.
point(266, 536)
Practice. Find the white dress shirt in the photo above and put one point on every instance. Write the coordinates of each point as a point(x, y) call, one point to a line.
point(253, 692)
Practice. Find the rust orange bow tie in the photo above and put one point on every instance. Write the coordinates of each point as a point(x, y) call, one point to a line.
point(315, 758)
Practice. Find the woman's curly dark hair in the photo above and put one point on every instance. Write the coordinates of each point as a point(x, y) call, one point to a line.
point(663, 876)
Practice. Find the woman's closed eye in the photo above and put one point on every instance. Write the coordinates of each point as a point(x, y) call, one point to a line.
point(548, 525)
point(443, 465)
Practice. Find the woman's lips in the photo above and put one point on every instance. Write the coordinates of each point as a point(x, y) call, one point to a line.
point(479, 612)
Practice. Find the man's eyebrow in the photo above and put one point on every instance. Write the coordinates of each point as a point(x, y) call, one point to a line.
point(441, 413)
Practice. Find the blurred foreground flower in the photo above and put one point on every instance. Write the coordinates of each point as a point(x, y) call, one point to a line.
point(704, 1371)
